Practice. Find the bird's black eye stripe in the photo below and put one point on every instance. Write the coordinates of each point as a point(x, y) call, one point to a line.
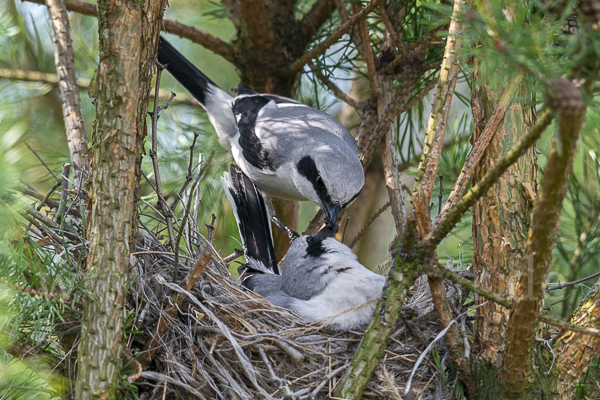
point(320, 183)
point(308, 169)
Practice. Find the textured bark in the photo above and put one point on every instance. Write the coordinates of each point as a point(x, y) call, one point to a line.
point(575, 350)
point(520, 333)
point(69, 91)
point(128, 34)
point(501, 218)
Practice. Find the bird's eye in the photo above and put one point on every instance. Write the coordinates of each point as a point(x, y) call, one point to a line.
point(320, 183)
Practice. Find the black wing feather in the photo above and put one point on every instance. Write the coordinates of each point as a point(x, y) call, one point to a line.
point(245, 110)
point(254, 224)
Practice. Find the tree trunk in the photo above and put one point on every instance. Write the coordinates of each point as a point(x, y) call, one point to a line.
point(128, 35)
point(500, 219)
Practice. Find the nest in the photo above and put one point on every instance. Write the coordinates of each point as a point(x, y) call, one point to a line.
point(206, 336)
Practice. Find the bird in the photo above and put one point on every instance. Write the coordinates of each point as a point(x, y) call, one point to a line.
point(321, 279)
point(288, 149)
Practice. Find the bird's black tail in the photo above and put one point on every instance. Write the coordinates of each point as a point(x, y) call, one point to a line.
point(252, 219)
point(181, 69)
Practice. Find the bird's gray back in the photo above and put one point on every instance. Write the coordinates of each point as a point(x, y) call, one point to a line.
point(292, 129)
point(269, 286)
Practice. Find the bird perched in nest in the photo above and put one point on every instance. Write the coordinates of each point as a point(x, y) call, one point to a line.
point(289, 150)
point(321, 280)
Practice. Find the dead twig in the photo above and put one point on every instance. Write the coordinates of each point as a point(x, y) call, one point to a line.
point(154, 157)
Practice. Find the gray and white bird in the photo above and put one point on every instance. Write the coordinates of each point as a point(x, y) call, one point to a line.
point(288, 149)
point(321, 280)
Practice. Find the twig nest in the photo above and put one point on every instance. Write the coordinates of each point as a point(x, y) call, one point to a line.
point(590, 9)
point(564, 97)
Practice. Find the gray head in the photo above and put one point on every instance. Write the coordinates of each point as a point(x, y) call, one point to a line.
point(312, 262)
point(332, 177)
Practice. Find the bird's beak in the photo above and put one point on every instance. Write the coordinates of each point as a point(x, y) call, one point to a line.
point(291, 234)
point(325, 232)
point(331, 211)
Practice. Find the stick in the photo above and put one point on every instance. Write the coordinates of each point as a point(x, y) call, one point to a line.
point(153, 155)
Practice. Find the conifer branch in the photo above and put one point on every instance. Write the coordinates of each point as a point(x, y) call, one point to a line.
point(51, 79)
point(478, 150)
point(331, 40)
point(368, 55)
point(194, 34)
point(444, 227)
point(69, 92)
point(336, 90)
point(315, 18)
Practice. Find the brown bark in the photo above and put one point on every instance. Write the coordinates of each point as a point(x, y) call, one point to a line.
point(500, 219)
point(575, 350)
point(69, 92)
point(529, 295)
point(128, 35)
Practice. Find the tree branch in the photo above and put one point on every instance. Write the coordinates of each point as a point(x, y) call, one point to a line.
point(436, 125)
point(366, 358)
point(196, 35)
point(520, 332)
point(336, 90)
point(478, 150)
point(315, 18)
point(368, 55)
point(51, 79)
point(455, 214)
point(69, 92)
point(331, 40)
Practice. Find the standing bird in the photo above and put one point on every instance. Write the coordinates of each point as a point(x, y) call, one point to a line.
point(289, 150)
point(321, 280)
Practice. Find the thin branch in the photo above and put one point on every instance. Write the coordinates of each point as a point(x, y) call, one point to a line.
point(368, 56)
point(436, 126)
point(566, 284)
point(568, 326)
point(336, 90)
point(331, 40)
point(51, 79)
point(435, 269)
point(196, 35)
point(354, 36)
point(478, 150)
point(364, 228)
point(69, 92)
point(153, 155)
point(189, 177)
point(186, 214)
point(455, 214)
point(317, 16)
point(372, 130)
point(396, 35)
point(42, 161)
point(46, 200)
